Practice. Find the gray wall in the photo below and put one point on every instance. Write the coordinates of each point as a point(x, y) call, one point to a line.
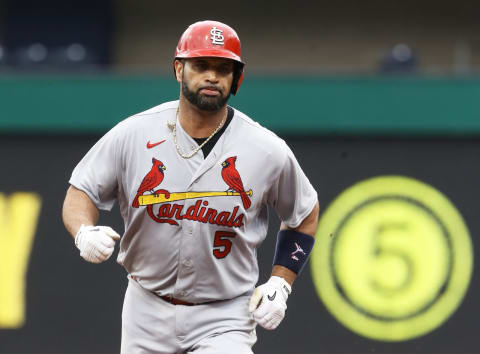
point(299, 36)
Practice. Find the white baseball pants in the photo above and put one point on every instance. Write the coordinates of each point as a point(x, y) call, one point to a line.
point(151, 325)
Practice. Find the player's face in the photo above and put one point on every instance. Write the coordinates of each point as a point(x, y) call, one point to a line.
point(206, 82)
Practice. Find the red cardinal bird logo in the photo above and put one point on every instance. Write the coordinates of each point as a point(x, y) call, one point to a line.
point(231, 177)
point(153, 178)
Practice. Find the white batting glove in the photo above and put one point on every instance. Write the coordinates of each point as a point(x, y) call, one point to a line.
point(96, 243)
point(269, 302)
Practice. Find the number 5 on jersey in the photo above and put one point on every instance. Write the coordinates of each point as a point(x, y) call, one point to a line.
point(222, 243)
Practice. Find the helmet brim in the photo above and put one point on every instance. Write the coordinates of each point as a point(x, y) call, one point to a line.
point(209, 53)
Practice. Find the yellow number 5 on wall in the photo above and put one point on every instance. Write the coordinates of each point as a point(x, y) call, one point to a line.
point(18, 220)
point(393, 258)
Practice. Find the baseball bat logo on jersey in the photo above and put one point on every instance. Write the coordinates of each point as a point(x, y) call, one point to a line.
point(169, 211)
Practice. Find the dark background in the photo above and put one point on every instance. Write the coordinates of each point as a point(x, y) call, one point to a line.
point(75, 307)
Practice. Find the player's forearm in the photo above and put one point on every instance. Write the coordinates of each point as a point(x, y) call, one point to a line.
point(78, 209)
point(308, 227)
point(285, 273)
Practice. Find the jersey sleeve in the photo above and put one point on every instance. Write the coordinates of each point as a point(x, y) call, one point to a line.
point(96, 173)
point(292, 195)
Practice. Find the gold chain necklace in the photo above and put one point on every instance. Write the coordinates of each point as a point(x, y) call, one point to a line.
point(197, 149)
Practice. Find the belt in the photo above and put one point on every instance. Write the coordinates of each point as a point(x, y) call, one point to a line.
point(174, 301)
point(170, 299)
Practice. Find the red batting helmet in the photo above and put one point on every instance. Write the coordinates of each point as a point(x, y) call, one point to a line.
point(212, 39)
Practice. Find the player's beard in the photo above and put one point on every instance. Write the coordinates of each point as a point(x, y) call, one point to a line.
point(203, 102)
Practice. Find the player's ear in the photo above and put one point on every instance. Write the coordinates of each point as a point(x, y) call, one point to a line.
point(178, 66)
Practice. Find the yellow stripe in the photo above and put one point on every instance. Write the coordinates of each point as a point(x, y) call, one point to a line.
point(160, 198)
point(18, 223)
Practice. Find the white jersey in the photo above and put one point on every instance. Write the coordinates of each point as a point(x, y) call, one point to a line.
point(192, 226)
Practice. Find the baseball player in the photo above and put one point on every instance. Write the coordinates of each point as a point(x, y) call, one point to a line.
point(193, 179)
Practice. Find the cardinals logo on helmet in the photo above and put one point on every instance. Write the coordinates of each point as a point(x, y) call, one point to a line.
point(217, 36)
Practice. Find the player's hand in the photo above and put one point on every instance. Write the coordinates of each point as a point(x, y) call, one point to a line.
point(269, 302)
point(96, 243)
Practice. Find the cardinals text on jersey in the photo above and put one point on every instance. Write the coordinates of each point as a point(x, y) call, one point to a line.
point(168, 211)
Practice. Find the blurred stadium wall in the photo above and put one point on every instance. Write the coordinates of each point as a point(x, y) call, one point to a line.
point(357, 89)
point(321, 36)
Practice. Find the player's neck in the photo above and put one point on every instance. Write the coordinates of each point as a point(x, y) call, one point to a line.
point(198, 123)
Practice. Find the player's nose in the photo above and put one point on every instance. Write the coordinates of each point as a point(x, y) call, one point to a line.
point(212, 76)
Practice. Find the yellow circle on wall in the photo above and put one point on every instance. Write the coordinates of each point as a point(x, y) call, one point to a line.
point(393, 258)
